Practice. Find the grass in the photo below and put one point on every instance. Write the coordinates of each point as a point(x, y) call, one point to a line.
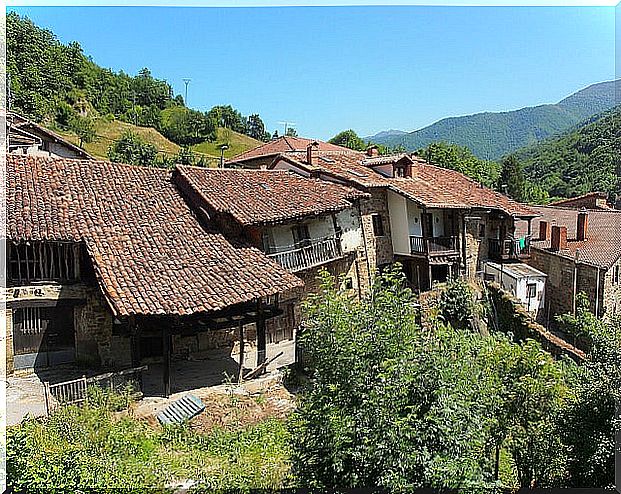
point(238, 143)
point(108, 131)
point(95, 447)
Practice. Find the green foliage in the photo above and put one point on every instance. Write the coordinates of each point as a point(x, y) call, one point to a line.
point(291, 132)
point(186, 127)
point(583, 160)
point(394, 406)
point(456, 304)
point(228, 117)
point(132, 150)
point(255, 128)
point(92, 448)
point(349, 139)
point(461, 159)
point(511, 179)
point(588, 425)
point(83, 127)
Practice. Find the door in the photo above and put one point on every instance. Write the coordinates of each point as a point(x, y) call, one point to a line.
point(43, 336)
point(427, 225)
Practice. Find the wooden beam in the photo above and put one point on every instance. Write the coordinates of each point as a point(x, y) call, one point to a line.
point(261, 340)
point(241, 353)
point(167, 348)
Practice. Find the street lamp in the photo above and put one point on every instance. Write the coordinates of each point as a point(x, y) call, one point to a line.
point(223, 148)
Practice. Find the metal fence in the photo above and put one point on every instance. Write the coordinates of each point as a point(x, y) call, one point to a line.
point(76, 390)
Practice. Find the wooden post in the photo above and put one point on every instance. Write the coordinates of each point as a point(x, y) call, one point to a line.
point(167, 349)
point(241, 352)
point(134, 341)
point(261, 341)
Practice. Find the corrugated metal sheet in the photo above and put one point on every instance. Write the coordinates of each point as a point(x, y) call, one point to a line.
point(185, 408)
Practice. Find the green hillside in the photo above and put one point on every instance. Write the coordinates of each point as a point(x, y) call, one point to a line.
point(59, 86)
point(583, 160)
point(491, 135)
point(237, 143)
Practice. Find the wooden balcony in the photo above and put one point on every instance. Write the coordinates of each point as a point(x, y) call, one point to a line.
point(434, 246)
point(509, 249)
point(311, 255)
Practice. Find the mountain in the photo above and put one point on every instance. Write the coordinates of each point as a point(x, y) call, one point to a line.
point(582, 160)
point(491, 135)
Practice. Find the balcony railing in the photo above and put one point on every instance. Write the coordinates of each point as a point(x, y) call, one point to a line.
point(506, 249)
point(316, 253)
point(434, 245)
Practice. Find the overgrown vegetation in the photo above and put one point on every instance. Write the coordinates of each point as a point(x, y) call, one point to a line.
point(92, 447)
point(395, 406)
point(349, 139)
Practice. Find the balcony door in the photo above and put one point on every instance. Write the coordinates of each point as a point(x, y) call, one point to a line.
point(427, 219)
point(301, 236)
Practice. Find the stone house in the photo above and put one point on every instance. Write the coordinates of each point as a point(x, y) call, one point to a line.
point(303, 224)
point(109, 266)
point(580, 251)
point(436, 222)
point(26, 137)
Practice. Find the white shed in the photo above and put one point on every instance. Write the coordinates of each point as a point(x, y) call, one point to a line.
point(526, 283)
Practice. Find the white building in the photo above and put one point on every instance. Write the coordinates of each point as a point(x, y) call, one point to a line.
point(524, 282)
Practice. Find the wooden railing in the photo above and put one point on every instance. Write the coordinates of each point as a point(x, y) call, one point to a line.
point(433, 245)
point(503, 249)
point(314, 254)
point(76, 390)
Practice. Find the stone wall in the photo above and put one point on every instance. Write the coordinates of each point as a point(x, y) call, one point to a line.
point(379, 249)
point(560, 284)
point(95, 343)
point(7, 314)
point(611, 301)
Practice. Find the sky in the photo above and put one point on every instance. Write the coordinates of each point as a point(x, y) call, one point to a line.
point(328, 69)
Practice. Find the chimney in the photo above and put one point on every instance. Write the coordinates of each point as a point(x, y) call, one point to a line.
point(582, 227)
point(559, 238)
point(544, 230)
point(372, 151)
point(309, 152)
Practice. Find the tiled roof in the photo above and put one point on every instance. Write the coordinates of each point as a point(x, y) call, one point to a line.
point(18, 122)
point(256, 197)
point(286, 144)
point(592, 200)
point(431, 186)
point(603, 244)
point(150, 253)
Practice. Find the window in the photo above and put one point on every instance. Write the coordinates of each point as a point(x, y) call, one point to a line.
point(268, 243)
point(481, 230)
point(43, 261)
point(348, 283)
point(378, 225)
point(531, 290)
point(301, 236)
point(617, 275)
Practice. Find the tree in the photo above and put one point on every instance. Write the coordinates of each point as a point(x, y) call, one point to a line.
point(348, 139)
point(461, 159)
point(395, 406)
point(186, 127)
point(132, 150)
point(255, 128)
point(84, 128)
point(512, 178)
point(291, 132)
point(228, 117)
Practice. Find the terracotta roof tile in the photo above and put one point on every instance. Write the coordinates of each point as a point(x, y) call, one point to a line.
point(151, 255)
point(430, 185)
point(603, 244)
point(255, 197)
point(286, 144)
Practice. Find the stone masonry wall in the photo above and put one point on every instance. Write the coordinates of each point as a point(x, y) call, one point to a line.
point(95, 343)
point(379, 248)
point(8, 318)
point(612, 292)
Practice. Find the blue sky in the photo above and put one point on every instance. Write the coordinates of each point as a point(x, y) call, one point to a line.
point(367, 68)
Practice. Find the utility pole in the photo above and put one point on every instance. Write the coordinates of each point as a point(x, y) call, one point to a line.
point(186, 82)
point(287, 125)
